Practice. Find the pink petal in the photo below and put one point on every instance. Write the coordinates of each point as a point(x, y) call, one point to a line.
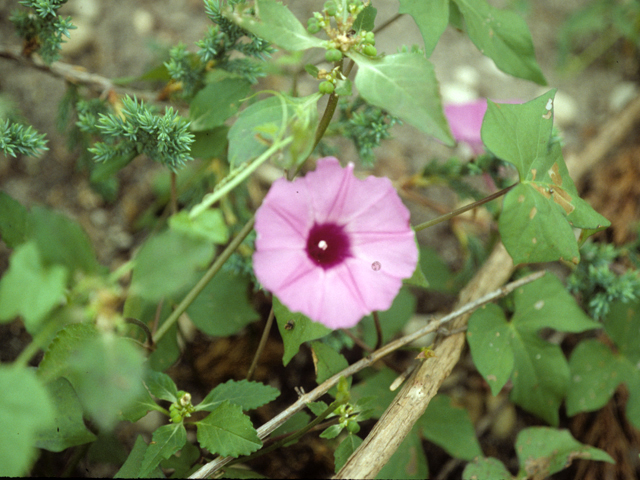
point(465, 120)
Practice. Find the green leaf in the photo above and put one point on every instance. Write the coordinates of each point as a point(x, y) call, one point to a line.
point(486, 468)
point(622, 325)
point(183, 463)
point(392, 320)
point(275, 23)
point(331, 432)
point(450, 427)
point(538, 215)
point(216, 102)
point(544, 451)
point(29, 288)
point(25, 408)
point(365, 19)
point(273, 118)
point(167, 264)
point(131, 468)
point(13, 221)
point(409, 460)
point(327, 362)
point(166, 441)
point(437, 272)
point(418, 278)
point(502, 36)
point(223, 307)
point(377, 387)
point(345, 449)
point(405, 85)
point(106, 373)
point(595, 374)
point(538, 369)
point(210, 143)
point(68, 428)
point(227, 431)
point(247, 395)
point(139, 407)
point(488, 337)
point(161, 386)
point(65, 345)
point(209, 226)
point(295, 329)
point(61, 241)
point(431, 17)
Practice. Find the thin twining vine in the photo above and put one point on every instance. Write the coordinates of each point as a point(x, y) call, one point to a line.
point(433, 326)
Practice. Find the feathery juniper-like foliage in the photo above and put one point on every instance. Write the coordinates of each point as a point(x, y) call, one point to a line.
point(42, 28)
point(137, 130)
point(16, 138)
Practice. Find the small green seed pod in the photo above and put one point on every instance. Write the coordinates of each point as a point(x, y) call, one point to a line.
point(330, 8)
point(326, 88)
point(370, 50)
point(333, 55)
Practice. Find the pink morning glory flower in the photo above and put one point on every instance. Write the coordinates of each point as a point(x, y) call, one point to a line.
point(465, 121)
point(334, 247)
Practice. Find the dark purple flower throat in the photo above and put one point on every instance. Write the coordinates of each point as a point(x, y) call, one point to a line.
point(328, 245)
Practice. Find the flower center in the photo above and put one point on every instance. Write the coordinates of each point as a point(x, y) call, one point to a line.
point(328, 245)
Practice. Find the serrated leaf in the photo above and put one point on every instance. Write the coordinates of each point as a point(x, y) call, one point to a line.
point(139, 407)
point(216, 102)
point(331, 432)
point(327, 362)
point(248, 395)
point(275, 23)
point(182, 464)
point(504, 37)
point(61, 241)
point(30, 288)
point(486, 468)
point(595, 375)
point(167, 264)
point(544, 451)
point(227, 431)
point(405, 85)
point(223, 308)
point(13, 221)
point(488, 337)
point(450, 427)
point(68, 428)
point(408, 461)
point(161, 386)
point(25, 408)
point(208, 226)
point(345, 449)
point(431, 17)
point(295, 329)
point(166, 441)
point(538, 215)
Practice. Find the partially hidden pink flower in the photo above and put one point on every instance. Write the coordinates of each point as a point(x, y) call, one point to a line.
point(334, 247)
point(465, 121)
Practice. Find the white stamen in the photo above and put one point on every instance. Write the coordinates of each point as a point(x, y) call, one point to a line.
point(322, 245)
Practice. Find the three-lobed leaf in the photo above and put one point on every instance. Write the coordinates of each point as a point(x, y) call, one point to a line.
point(538, 214)
point(503, 350)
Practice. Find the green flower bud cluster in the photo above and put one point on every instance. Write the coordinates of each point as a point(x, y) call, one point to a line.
point(368, 42)
point(182, 408)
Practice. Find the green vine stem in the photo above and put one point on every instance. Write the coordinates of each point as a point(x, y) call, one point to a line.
point(466, 208)
point(195, 291)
